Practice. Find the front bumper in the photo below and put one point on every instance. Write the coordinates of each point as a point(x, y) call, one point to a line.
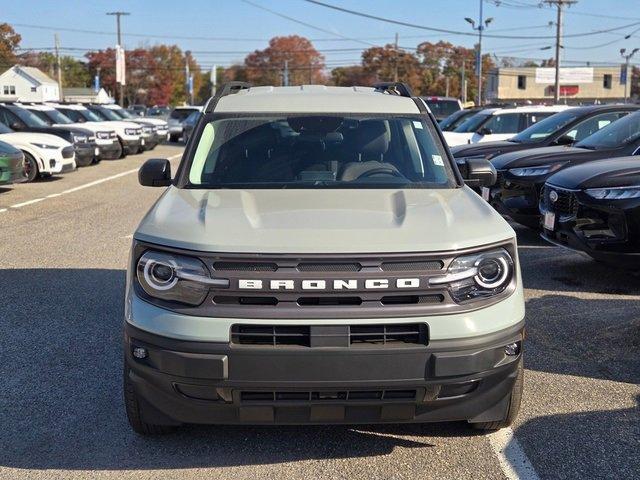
point(110, 151)
point(54, 161)
point(132, 146)
point(221, 383)
point(85, 152)
point(517, 201)
point(11, 169)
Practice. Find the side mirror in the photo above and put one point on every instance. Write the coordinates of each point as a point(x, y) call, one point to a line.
point(484, 131)
point(478, 172)
point(155, 172)
point(16, 126)
point(565, 140)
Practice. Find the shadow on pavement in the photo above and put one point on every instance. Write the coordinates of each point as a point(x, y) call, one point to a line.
point(61, 402)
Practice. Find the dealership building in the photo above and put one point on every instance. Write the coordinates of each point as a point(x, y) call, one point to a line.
point(577, 84)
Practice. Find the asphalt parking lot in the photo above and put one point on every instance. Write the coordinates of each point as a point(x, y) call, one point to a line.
point(63, 249)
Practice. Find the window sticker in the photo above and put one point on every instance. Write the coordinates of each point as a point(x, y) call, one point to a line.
point(417, 124)
point(437, 160)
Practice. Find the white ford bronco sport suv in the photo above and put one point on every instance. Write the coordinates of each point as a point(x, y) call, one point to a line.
point(317, 258)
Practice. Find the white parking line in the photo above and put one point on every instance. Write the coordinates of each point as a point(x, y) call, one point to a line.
point(80, 187)
point(513, 460)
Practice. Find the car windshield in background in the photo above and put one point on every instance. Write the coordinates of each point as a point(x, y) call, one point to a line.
point(442, 108)
point(617, 134)
point(29, 118)
point(472, 124)
point(319, 151)
point(182, 113)
point(56, 116)
point(157, 112)
point(124, 114)
point(454, 120)
point(106, 114)
point(542, 129)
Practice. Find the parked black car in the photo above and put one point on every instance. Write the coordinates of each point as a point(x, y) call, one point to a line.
point(595, 208)
point(23, 120)
point(522, 174)
point(563, 128)
point(454, 120)
point(442, 107)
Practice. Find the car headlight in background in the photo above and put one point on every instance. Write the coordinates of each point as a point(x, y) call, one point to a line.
point(477, 275)
point(175, 278)
point(536, 171)
point(147, 129)
point(79, 138)
point(46, 146)
point(615, 193)
point(103, 135)
point(132, 131)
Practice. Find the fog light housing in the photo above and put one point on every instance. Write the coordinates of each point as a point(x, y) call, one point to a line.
point(512, 349)
point(140, 352)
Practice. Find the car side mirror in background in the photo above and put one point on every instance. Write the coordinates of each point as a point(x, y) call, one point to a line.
point(16, 126)
point(484, 131)
point(155, 172)
point(478, 172)
point(565, 140)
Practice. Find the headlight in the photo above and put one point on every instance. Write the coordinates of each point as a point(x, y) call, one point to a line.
point(615, 193)
point(175, 278)
point(131, 131)
point(147, 129)
point(535, 171)
point(79, 138)
point(103, 135)
point(44, 145)
point(477, 275)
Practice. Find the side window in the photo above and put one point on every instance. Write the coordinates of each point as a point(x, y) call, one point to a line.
point(607, 81)
point(10, 118)
point(504, 123)
point(535, 117)
point(591, 125)
point(522, 82)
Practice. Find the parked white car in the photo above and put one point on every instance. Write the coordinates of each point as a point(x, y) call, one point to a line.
point(499, 123)
point(107, 140)
point(44, 154)
point(129, 133)
point(160, 126)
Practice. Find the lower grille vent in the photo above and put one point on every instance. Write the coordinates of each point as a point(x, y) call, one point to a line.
point(413, 333)
point(334, 396)
point(272, 335)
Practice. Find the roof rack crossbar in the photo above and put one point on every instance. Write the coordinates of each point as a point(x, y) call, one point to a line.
point(394, 88)
point(226, 89)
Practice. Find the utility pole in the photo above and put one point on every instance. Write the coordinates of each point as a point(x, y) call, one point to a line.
point(285, 74)
point(482, 25)
point(118, 15)
point(627, 58)
point(395, 56)
point(559, 5)
point(446, 86)
point(463, 83)
point(187, 76)
point(59, 67)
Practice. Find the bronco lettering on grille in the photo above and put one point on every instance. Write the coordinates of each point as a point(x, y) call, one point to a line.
point(340, 284)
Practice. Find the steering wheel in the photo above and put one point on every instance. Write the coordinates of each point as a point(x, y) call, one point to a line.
point(380, 171)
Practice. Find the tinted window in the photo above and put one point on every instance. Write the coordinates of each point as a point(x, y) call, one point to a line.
point(546, 127)
point(591, 125)
point(617, 134)
point(182, 113)
point(319, 151)
point(504, 123)
point(7, 149)
point(472, 124)
point(442, 108)
point(29, 118)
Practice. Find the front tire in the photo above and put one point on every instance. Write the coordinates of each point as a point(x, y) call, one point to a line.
point(514, 405)
point(134, 408)
point(30, 168)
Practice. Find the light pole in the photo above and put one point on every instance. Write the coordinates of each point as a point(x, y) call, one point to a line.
point(627, 58)
point(482, 25)
point(118, 15)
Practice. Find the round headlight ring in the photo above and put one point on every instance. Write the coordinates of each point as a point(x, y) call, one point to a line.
point(499, 278)
point(150, 275)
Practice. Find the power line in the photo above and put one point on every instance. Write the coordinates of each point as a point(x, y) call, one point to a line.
point(457, 32)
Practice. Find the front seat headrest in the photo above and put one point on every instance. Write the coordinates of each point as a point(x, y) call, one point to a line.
point(372, 139)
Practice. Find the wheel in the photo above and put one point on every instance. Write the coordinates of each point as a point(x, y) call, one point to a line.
point(122, 153)
point(30, 168)
point(514, 405)
point(173, 138)
point(134, 411)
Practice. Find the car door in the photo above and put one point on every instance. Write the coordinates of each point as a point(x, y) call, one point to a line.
point(591, 125)
point(500, 127)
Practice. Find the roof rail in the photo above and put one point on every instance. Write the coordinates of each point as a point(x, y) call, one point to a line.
point(224, 90)
point(394, 88)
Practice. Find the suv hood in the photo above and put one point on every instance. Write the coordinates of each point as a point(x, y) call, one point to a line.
point(322, 221)
point(541, 156)
point(17, 138)
point(488, 148)
point(615, 172)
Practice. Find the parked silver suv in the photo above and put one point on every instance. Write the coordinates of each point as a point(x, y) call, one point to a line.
point(317, 258)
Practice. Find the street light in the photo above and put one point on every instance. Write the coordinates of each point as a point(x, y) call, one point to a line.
point(627, 58)
point(482, 25)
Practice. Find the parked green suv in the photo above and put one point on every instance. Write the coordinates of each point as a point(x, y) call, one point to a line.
point(11, 164)
point(317, 258)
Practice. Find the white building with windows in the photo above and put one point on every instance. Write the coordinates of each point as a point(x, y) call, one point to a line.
point(28, 84)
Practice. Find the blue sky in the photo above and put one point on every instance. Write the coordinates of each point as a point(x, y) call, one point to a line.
point(239, 28)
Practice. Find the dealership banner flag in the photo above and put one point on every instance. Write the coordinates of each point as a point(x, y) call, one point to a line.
point(120, 65)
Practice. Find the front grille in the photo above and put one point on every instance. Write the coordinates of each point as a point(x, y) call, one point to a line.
point(412, 266)
point(305, 396)
point(329, 267)
point(67, 152)
point(566, 204)
point(245, 267)
point(380, 335)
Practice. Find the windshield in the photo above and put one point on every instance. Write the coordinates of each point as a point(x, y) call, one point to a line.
point(157, 111)
point(442, 108)
point(455, 119)
point(122, 113)
point(182, 113)
point(29, 118)
point(617, 134)
point(473, 124)
point(5, 129)
point(542, 129)
point(319, 151)
point(56, 116)
point(105, 114)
